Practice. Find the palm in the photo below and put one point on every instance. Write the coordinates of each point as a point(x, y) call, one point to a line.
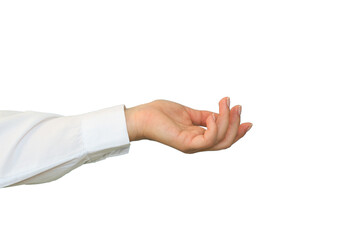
point(171, 123)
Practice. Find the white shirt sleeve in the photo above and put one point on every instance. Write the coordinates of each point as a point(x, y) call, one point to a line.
point(37, 147)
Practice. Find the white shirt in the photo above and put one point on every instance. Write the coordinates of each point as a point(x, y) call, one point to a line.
point(37, 147)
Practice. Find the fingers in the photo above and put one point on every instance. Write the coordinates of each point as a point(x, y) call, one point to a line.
point(232, 131)
point(223, 129)
point(208, 139)
point(223, 119)
point(243, 129)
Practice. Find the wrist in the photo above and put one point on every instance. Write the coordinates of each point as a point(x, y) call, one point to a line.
point(133, 123)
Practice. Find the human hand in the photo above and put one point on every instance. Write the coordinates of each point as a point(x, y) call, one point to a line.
point(179, 126)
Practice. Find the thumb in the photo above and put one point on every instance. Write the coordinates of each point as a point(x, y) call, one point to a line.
point(208, 139)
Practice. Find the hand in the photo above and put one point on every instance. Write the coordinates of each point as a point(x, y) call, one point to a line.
point(179, 126)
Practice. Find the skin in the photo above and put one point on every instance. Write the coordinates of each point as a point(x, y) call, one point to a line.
point(181, 127)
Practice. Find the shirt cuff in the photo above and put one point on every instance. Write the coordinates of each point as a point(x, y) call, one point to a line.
point(105, 129)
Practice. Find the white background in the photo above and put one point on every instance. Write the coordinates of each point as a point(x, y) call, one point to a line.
point(293, 66)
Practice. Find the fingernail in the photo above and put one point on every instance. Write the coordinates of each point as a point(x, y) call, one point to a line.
point(228, 102)
point(239, 110)
point(249, 127)
point(213, 116)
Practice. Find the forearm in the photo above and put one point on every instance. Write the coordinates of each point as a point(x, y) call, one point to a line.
point(40, 147)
